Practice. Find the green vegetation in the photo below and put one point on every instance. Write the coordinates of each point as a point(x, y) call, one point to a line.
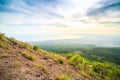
point(26, 46)
point(4, 55)
point(29, 56)
point(102, 54)
point(89, 63)
point(76, 59)
point(60, 61)
point(3, 38)
point(103, 70)
point(2, 45)
point(14, 41)
point(62, 77)
point(110, 54)
point(35, 47)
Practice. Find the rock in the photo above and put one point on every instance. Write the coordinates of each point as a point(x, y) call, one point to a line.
point(50, 64)
point(45, 58)
point(7, 61)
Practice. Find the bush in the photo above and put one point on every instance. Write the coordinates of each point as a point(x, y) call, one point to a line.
point(99, 68)
point(74, 60)
point(68, 56)
point(106, 71)
point(29, 56)
point(60, 61)
point(36, 47)
point(77, 59)
point(116, 73)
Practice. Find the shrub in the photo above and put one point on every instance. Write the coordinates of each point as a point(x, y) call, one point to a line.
point(106, 71)
point(60, 61)
point(62, 77)
point(116, 73)
point(29, 56)
point(77, 59)
point(68, 56)
point(36, 47)
point(102, 68)
point(74, 60)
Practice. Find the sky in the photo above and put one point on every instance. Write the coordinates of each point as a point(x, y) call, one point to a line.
point(37, 20)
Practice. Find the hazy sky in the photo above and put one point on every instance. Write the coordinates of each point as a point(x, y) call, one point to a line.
point(31, 20)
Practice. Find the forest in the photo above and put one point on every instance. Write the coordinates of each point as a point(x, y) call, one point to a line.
point(109, 54)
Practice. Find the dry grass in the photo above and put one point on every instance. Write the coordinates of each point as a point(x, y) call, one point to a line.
point(16, 63)
point(4, 55)
point(29, 56)
point(37, 65)
point(62, 77)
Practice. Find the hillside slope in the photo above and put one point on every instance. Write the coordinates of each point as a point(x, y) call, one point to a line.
point(21, 61)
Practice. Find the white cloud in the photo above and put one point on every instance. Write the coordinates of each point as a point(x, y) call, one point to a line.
point(44, 21)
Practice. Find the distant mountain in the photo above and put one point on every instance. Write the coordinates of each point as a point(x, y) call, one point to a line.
point(93, 47)
point(85, 41)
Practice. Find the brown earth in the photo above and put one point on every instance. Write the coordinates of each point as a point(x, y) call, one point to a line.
point(14, 66)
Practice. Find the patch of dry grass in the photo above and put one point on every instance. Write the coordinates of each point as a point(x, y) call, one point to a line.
point(29, 56)
point(37, 65)
point(16, 63)
point(62, 77)
point(4, 55)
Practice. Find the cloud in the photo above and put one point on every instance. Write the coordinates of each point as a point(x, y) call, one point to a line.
point(103, 9)
point(45, 8)
point(105, 12)
point(5, 6)
point(58, 17)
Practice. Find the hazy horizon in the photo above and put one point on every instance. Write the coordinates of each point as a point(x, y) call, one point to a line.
point(38, 20)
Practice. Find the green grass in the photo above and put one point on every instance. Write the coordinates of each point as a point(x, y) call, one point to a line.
point(2, 45)
point(29, 56)
point(3, 38)
point(62, 77)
